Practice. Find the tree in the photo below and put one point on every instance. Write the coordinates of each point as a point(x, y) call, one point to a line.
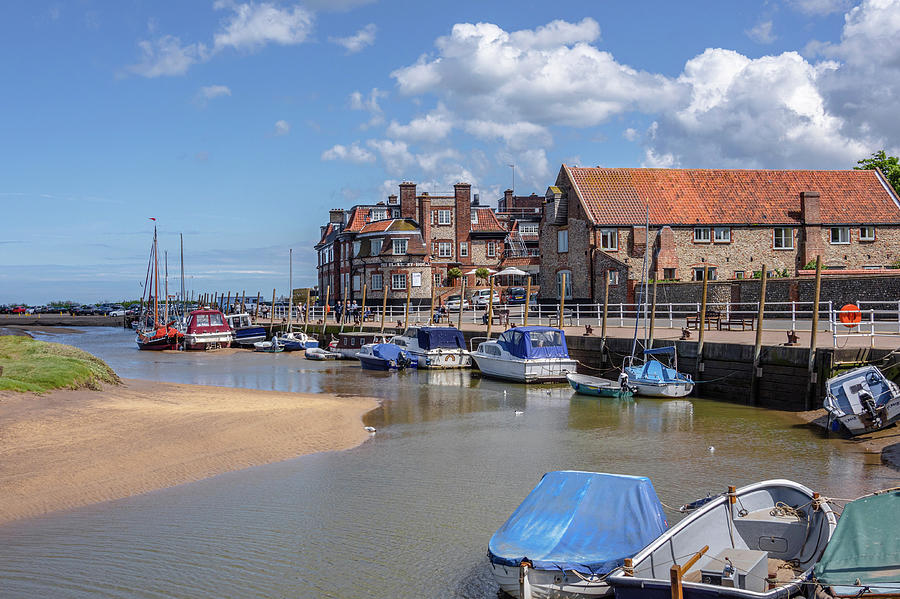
point(454, 273)
point(888, 165)
point(482, 273)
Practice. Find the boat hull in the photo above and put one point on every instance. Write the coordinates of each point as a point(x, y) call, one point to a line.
point(655, 389)
point(546, 584)
point(204, 341)
point(442, 358)
point(157, 343)
point(375, 363)
point(540, 370)
point(597, 387)
point(888, 414)
point(248, 336)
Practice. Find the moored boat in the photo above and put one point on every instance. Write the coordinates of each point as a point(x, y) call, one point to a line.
point(272, 346)
point(384, 356)
point(655, 379)
point(435, 347)
point(862, 400)
point(154, 333)
point(599, 387)
point(297, 341)
point(571, 530)
point(530, 354)
point(349, 344)
point(317, 353)
point(760, 541)
point(245, 332)
point(207, 329)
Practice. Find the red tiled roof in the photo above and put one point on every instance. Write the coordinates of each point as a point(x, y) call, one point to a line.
point(378, 225)
point(358, 219)
point(617, 196)
point(327, 231)
point(487, 221)
point(521, 261)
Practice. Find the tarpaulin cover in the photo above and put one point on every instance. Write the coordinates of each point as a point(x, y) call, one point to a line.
point(652, 370)
point(584, 521)
point(388, 351)
point(534, 342)
point(865, 545)
point(441, 338)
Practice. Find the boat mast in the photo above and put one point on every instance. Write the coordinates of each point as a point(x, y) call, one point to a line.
point(166, 318)
point(155, 279)
point(642, 294)
point(291, 290)
point(183, 299)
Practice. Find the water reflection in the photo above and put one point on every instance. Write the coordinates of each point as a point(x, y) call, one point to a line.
point(408, 513)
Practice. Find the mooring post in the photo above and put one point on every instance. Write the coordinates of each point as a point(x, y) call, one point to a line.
point(408, 293)
point(811, 369)
point(462, 299)
point(701, 318)
point(605, 312)
point(490, 308)
point(272, 326)
point(652, 315)
point(325, 312)
point(362, 309)
point(258, 297)
point(528, 303)
point(757, 348)
point(308, 301)
point(562, 301)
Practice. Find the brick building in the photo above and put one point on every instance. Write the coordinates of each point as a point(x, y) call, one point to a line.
point(521, 216)
point(729, 221)
point(410, 240)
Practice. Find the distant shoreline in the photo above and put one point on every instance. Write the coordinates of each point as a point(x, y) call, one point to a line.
point(67, 449)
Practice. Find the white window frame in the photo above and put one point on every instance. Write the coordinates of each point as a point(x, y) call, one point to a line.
point(568, 289)
point(378, 214)
point(445, 217)
point(377, 282)
point(491, 249)
point(437, 279)
point(375, 247)
point(613, 277)
point(529, 229)
point(399, 247)
point(711, 273)
point(398, 277)
point(356, 284)
point(474, 217)
point(721, 234)
point(562, 241)
point(843, 235)
point(445, 249)
point(609, 240)
point(864, 233)
point(702, 235)
point(356, 246)
point(790, 238)
point(416, 279)
point(463, 249)
point(740, 274)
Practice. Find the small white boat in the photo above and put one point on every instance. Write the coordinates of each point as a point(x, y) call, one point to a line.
point(272, 347)
point(762, 541)
point(529, 354)
point(317, 353)
point(862, 400)
point(297, 340)
point(655, 379)
point(571, 531)
point(435, 347)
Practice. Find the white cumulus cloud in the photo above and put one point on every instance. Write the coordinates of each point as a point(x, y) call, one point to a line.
point(252, 25)
point(359, 40)
point(432, 127)
point(281, 128)
point(167, 56)
point(352, 153)
point(761, 33)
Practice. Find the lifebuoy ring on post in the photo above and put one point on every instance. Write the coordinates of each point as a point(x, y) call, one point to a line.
point(850, 315)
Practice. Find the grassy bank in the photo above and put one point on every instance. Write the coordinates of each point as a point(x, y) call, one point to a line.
point(30, 365)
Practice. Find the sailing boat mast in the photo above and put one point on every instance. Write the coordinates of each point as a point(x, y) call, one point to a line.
point(183, 298)
point(291, 290)
point(155, 279)
point(642, 296)
point(166, 318)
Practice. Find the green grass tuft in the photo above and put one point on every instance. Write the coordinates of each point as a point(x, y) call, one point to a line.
point(38, 366)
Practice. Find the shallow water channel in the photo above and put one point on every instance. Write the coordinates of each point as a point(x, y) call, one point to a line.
point(409, 512)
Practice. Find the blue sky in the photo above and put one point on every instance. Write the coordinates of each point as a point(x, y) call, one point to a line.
point(239, 124)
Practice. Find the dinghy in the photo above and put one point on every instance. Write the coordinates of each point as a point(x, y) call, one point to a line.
point(759, 542)
point(317, 353)
point(599, 387)
point(272, 347)
point(571, 531)
point(655, 379)
point(862, 400)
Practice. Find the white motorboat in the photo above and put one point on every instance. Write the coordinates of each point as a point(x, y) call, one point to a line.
point(317, 353)
point(862, 400)
point(245, 332)
point(531, 354)
point(655, 379)
point(435, 347)
point(758, 542)
point(207, 329)
point(571, 531)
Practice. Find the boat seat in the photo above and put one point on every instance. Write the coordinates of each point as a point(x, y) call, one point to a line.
point(780, 536)
point(852, 389)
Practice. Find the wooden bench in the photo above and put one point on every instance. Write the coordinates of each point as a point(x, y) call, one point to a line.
point(733, 322)
point(713, 317)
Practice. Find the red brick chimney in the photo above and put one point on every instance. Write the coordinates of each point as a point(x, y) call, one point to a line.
point(811, 217)
point(408, 200)
point(667, 258)
point(425, 222)
point(462, 193)
point(507, 201)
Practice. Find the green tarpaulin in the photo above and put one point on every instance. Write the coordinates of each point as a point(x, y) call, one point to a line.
point(865, 546)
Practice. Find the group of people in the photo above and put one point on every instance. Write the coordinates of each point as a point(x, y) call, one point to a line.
point(348, 311)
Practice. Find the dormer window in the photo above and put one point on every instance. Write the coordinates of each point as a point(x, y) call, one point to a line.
point(400, 248)
point(378, 214)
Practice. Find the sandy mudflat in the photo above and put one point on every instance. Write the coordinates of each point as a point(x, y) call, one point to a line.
point(70, 448)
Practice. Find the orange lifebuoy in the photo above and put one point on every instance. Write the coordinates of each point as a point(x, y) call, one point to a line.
point(850, 315)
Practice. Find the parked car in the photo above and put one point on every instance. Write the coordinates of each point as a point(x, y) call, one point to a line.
point(19, 310)
point(119, 312)
point(515, 295)
point(481, 298)
point(452, 303)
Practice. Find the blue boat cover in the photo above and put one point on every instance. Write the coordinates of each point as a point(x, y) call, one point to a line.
point(669, 349)
point(584, 521)
point(534, 342)
point(388, 351)
point(441, 338)
point(653, 370)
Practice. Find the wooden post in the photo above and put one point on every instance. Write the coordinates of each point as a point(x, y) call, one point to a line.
point(273, 312)
point(652, 315)
point(702, 320)
point(757, 348)
point(490, 308)
point(243, 300)
point(227, 303)
point(462, 299)
point(562, 300)
point(306, 318)
point(408, 292)
point(256, 316)
point(431, 316)
point(527, 301)
point(605, 312)
point(362, 308)
point(676, 572)
point(811, 370)
point(325, 312)
point(384, 292)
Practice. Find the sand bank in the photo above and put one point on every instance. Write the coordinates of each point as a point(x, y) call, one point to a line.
point(883, 445)
point(71, 448)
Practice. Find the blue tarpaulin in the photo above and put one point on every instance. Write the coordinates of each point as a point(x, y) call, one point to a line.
point(441, 338)
point(584, 521)
point(535, 342)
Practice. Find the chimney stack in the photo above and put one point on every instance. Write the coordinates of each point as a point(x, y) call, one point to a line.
point(408, 200)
